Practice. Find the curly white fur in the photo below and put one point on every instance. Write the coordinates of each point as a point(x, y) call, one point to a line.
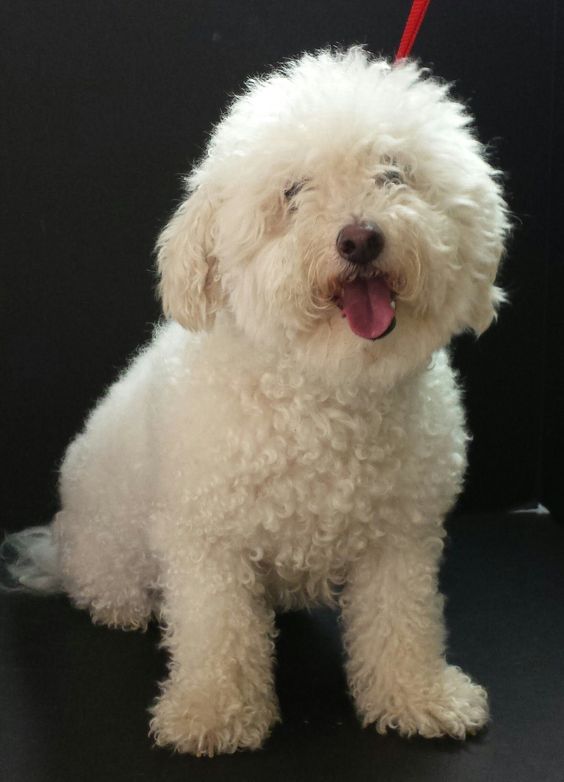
point(278, 454)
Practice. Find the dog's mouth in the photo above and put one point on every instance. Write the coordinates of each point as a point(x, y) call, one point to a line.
point(369, 306)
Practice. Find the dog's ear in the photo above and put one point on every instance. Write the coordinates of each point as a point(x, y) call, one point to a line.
point(189, 285)
point(484, 231)
point(484, 310)
point(488, 254)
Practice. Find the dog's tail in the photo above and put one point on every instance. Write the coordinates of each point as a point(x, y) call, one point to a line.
point(29, 562)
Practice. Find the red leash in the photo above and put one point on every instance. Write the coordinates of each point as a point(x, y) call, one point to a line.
point(414, 20)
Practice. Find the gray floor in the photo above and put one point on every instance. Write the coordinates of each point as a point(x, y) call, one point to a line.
point(74, 696)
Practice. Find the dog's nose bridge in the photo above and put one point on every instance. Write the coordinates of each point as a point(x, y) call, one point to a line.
point(360, 243)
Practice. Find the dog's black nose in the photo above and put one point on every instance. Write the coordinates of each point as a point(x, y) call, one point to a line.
point(360, 243)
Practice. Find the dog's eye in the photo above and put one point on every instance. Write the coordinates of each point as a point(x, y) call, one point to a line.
point(391, 176)
point(391, 172)
point(293, 190)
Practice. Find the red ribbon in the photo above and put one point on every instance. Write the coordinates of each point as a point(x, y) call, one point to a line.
point(414, 20)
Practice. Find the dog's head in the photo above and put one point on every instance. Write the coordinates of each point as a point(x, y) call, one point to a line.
point(345, 212)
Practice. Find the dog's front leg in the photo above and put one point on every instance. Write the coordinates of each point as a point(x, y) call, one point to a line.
point(394, 635)
point(219, 696)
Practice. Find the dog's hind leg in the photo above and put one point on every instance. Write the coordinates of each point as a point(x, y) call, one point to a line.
point(106, 568)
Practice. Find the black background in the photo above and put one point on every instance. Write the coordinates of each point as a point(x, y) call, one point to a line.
point(106, 104)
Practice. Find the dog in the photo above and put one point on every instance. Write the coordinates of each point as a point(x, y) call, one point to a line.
point(294, 432)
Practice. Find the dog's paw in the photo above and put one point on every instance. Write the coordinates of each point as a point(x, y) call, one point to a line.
point(126, 616)
point(202, 725)
point(450, 705)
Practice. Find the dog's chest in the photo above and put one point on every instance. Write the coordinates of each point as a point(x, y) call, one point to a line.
point(325, 466)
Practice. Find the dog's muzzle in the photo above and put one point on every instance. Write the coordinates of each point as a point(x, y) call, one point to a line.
point(368, 302)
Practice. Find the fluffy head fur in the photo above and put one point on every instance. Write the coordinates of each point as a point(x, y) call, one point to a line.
point(329, 140)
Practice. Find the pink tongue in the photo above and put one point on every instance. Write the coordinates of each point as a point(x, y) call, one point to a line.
point(368, 307)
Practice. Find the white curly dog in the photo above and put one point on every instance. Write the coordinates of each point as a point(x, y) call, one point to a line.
point(306, 443)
